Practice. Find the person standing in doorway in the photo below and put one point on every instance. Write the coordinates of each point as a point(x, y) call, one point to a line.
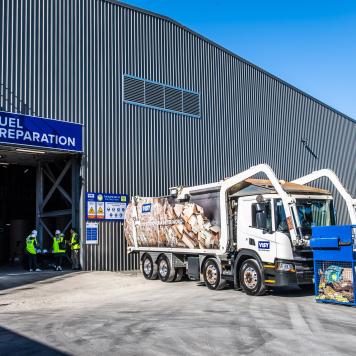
point(59, 249)
point(75, 248)
point(31, 245)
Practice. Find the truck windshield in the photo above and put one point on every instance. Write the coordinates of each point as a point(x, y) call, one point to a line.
point(315, 213)
point(311, 213)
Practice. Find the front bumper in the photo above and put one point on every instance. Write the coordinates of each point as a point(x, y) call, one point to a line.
point(276, 278)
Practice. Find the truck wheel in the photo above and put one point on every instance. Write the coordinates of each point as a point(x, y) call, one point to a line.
point(149, 268)
point(179, 274)
point(212, 276)
point(251, 278)
point(165, 272)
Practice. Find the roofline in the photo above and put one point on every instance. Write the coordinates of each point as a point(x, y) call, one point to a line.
point(168, 19)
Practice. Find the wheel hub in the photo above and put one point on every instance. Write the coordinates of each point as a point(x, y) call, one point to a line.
point(163, 268)
point(147, 266)
point(211, 274)
point(250, 277)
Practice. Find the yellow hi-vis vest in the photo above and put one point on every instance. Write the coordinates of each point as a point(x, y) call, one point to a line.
point(57, 239)
point(31, 243)
point(75, 241)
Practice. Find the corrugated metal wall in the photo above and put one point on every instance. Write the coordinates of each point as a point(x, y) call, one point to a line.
point(64, 59)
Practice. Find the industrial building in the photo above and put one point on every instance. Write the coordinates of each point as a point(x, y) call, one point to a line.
point(100, 101)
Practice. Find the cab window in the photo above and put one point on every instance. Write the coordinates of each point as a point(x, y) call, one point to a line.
point(281, 221)
point(261, 216)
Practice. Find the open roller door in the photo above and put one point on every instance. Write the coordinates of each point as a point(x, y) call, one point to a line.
point(39, 189)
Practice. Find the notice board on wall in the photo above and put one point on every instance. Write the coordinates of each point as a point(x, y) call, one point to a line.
point(106, 206)
point(92, 233)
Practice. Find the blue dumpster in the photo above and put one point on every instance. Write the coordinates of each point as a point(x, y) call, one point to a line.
point(334, 250)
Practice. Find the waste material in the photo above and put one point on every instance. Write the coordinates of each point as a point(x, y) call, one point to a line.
point(333, 274)
point(336, 284)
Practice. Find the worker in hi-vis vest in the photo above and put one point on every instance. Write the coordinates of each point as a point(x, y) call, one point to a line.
point(75, 248)
point(31, 245)
point(59, 249)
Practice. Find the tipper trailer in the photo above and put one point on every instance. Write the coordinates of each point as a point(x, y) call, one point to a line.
point(253, 233)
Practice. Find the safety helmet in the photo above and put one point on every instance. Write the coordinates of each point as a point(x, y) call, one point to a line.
point(57, 232)
point(34, 233)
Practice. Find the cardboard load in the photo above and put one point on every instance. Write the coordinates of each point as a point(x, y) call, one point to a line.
point(163, 223)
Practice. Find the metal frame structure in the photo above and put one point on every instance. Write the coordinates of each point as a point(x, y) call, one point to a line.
point(224, 186)
point(44, 171)
point(334, 179)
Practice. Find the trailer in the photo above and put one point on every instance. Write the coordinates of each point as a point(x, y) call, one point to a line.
point(252, 233)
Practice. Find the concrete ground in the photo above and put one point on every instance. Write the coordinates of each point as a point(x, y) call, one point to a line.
point(97, 313)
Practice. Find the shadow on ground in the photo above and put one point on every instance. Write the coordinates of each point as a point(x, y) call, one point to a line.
point(17, 277)
point(12, 343)
point(282, 292)
point(294, 292)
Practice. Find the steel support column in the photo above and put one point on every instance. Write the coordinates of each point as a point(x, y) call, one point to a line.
point(75, 192)
point(39, 202)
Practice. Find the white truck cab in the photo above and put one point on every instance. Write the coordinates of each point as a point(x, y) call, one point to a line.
point(262, 232)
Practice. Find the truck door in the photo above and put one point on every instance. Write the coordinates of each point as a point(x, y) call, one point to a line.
point(256, 230)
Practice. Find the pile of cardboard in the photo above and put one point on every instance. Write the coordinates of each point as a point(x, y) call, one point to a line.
point(195, 229)
point(170, 224)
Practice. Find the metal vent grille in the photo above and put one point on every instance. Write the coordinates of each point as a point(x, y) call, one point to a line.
point(191, 103)
point(173, 99)
point(160, 96)
point(134, 90)
point(154, 94)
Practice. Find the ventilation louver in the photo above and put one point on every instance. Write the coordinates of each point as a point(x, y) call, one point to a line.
point(160, 96)
point(134, 90)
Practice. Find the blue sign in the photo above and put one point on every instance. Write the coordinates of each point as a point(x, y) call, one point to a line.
point(263, 245)
point(146, 208)
point(101, 206)
point(92, 234)
point(34, 131)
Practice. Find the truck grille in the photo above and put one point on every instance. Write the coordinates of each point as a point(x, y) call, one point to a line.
point(305, 277)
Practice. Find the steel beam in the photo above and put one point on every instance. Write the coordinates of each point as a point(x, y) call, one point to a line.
point(47, 171)
point(75, 192)
point(39, 202)
point(46, 228)
point(71, 167)
point(67, 226)
point(56, 213)
point(55, 185)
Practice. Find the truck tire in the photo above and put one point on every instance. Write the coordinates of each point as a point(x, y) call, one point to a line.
point(251, 278)
point(149, 268)
point(212, 275)
point(165, 272)
point(179, 274)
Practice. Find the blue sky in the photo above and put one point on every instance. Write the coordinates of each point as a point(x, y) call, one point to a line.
point(311, 44)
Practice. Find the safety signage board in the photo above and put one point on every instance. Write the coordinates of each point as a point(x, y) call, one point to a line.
point(35, 131)
point(91, 209)
point(109, 207)
point(100, 210)
point(92, 233)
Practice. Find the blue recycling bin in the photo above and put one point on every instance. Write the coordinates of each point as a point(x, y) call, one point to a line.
point(334, 250)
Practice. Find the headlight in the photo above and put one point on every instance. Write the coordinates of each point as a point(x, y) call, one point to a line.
point(286, 267)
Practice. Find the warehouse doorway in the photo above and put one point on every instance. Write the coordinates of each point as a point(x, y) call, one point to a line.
point(39, 189)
